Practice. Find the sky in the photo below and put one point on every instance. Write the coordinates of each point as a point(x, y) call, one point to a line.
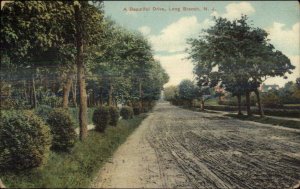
point(167, 25)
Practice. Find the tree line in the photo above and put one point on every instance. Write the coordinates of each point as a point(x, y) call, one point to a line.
point(67, 53)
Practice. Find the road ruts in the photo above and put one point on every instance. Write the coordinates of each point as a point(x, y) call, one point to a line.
point(214, 151)
point(179, 148)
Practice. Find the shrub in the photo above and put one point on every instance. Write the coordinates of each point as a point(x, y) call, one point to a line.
point(114, 116)
point(101, 118)
point(136, 110)
point(137, 107)
point(232, 101)
point(43, 111)
point(271, 100)
point(25, 140)
point(126, 112)
point(62, 130)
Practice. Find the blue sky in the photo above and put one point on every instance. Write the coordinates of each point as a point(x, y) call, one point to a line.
point(168, 29)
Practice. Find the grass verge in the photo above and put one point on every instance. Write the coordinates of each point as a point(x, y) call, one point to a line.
point(268, 120)
point(77, 168)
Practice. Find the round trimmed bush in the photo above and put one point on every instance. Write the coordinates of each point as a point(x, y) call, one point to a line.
point(114, 116)
point(101, 118)
point(126, 112)
point(25, 140)
point(62, 130)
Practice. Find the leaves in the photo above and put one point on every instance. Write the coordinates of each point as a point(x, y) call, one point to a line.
point(241, 54)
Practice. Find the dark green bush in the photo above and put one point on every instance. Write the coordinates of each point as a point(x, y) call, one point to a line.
point(271, 100)
point(126, 112)
point(43, 111)
point(25, 140)
point(62, 130)
point(137, 107)
point(136, 110)
point(114, 116)
point(101, 118)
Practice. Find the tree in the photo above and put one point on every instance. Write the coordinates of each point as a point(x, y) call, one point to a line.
point(242, 55)
point(31, 32)
point(187, 91)
point(170, 93)
point(87, 21)
point(32, 29)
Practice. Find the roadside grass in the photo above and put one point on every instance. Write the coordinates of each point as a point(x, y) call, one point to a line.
point(198, 109)
point(268, 120)
point(78, 168)
point(212, 101)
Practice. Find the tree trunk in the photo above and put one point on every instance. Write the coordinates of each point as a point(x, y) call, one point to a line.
point(260, 109)
point(110, 94)
point(140, 96)
point(25, 90)
point(74, 87)
point(66, 91)
point(101, 97)
point(34, 101)
point(239, 104)
point(80, 72)
point(248, 103)
point(202, 105)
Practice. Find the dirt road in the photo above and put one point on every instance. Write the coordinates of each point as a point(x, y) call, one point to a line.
point(178, 148)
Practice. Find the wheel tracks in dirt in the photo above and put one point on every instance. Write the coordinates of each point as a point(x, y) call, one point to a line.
point(257, 163)
point(196, 150)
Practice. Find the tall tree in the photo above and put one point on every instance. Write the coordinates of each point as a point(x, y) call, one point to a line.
point(237, 49)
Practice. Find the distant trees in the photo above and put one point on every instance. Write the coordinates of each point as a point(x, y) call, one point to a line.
point(170, 93)
point(288, 94)
point(183, 94)
point(187, 91)
point(237, 57)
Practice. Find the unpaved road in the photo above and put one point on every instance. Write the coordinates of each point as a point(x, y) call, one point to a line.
point(179, 148)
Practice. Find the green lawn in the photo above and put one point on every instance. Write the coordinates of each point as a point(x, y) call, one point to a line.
point(268, 120)
point(77, 168)
point(212, 102)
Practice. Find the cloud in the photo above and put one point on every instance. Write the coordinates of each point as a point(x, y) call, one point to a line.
point(235, 10)
point(285, 39)
point(145, 30)
point(295, 60)
point(177, 67)
point(173, 37)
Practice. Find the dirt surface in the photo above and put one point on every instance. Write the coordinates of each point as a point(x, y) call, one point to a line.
point(179, 148)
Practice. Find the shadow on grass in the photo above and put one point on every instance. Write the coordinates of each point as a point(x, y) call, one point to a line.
point(77, 168)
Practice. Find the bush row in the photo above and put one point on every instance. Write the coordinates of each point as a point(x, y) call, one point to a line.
point(142, 106)
point(108, 115)
point(26, 138)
